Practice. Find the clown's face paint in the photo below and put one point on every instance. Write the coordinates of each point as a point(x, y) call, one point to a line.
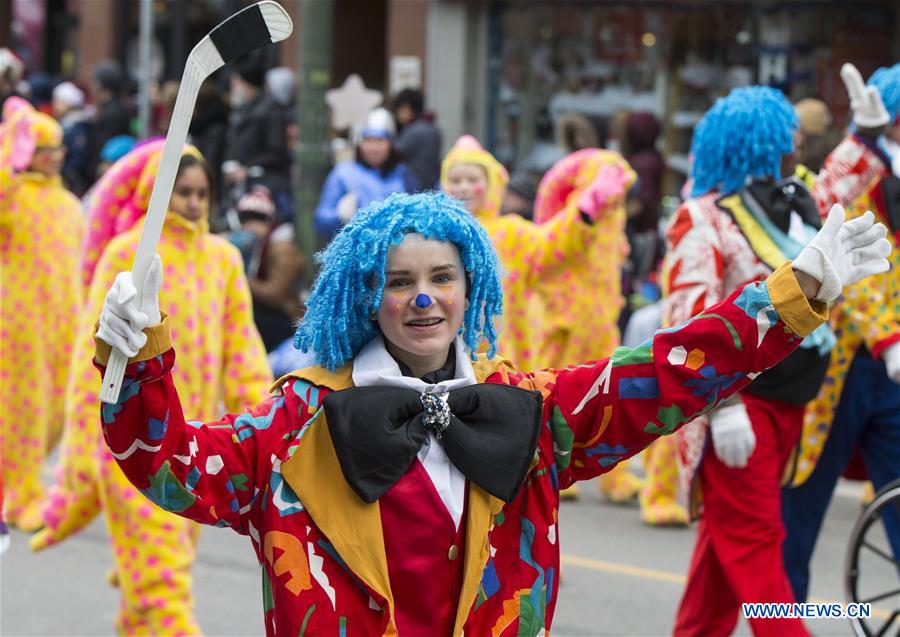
point(419, 336)
point(469, 183)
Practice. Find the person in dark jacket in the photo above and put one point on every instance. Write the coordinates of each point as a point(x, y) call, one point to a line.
point(256, 143)
point(112, 117)
point(78, 136)
point(641, 130)
point(419, 141)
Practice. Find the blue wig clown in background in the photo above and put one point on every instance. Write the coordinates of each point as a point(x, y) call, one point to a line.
point(744, 221)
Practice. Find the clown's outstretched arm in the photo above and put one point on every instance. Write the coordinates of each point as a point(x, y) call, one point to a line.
point(853, 167)
point(565, 238)
point(603, 412)
point(212, 473)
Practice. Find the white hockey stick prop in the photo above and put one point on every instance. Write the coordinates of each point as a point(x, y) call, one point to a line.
point(248, 29)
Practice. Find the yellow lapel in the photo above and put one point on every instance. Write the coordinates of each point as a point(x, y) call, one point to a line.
point(351, 525)
point(760, 242)
point(354, 527)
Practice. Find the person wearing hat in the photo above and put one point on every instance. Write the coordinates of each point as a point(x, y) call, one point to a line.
point(273, 264)
point(256, 150)
point(816, 139)
point(404, 485)
point(40, 241)
point(372, 175)
point(78, 136)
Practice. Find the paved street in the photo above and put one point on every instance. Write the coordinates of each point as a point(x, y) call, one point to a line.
point(619, 577)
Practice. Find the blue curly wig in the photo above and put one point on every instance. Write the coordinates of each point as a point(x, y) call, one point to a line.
point(887, 80)
point(744, 134)
point(350, 283)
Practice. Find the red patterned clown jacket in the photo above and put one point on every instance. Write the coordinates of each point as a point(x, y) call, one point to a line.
point(272, 474)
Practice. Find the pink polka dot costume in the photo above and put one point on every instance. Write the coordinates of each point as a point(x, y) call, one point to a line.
point(40, 293)
point(221, 362)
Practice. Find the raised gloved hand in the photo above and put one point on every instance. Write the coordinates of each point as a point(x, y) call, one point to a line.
point(868, 107)
point(891, 358)
point(124, 317)
point(732, 434)
point(608, 188)
point(843, 253)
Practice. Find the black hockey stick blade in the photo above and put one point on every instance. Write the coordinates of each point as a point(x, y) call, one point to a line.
point(250, 29)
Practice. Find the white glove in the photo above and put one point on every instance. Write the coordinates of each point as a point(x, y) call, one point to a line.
point(732, 434)
point(891, 358)
point(868, 108)
point(843, 253)
point(122, 320)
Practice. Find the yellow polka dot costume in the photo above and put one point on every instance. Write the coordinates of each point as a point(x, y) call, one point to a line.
point(528, 252)
point(222, 364)
point(40, 291)
point(589, 286)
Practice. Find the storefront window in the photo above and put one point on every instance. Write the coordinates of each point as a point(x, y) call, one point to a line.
point(670, 59)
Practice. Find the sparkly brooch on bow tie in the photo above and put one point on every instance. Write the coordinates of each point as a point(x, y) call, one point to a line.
point(437, 413)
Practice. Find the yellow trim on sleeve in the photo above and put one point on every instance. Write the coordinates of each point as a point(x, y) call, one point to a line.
point(158, 341)
point(800, 314)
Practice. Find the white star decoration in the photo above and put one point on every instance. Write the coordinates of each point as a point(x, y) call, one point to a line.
point(351, 103)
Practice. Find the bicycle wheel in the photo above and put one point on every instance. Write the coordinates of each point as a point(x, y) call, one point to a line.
point(865, 551)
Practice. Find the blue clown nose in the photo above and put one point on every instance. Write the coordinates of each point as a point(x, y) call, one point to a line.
point(423, 301)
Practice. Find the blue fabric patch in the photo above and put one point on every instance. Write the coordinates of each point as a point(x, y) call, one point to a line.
point(489, 581)
point(638, 388)
point(156, 429)
point(754, 298)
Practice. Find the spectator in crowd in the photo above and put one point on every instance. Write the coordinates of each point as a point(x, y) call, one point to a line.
point(11, 71)
point(78, 131)
point(256, 143)
point(419, 141)
point(372, 175)
point(209, 125)
point(273, 264)
point(112, 118)
point(817, 138)
point(642, 130)
point(519, 196)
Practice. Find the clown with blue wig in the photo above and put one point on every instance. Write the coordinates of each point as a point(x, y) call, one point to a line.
point(405, 484)
point(856, 413)
point(743, 222)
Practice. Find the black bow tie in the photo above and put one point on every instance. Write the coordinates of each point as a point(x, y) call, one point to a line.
point(489, 432)
point(778, 199)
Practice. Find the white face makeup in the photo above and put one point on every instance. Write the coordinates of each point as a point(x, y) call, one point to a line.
point(469, 183)
point(423, 303)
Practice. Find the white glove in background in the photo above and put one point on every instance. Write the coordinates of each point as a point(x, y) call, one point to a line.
point(891, 357)
point(843, 253)
point(732, 435)
point(868, 107)
point(124, 318)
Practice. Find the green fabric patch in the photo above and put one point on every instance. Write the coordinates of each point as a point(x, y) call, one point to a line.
point(563, 439)
point(166, 490)
point(641, 354)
